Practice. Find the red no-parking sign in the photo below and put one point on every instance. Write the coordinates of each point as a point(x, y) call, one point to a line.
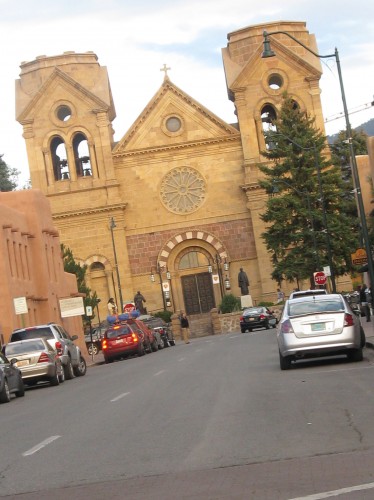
point(320, 278)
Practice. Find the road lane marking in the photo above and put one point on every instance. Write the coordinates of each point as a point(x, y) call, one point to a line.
point(159, 373)
point(119, 397)
point(335, 493)
point(40, 446)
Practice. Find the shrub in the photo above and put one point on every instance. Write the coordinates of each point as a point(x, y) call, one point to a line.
point(165, 315)
point(265, 304)
point(230, 303)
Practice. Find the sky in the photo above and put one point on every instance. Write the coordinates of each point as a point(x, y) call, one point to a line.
point(134, 39)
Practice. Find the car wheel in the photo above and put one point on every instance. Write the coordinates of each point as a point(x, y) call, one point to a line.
point(266, 325)
point(243, 330)
point(285, 362)
point(68, 370)
point(61, 377)
point(172, 342)
point(92, 349)
point(81, 368)
point(5, 394)
point(154, 346)
point(355, 355)
point(54, 380)
point(249, 329)
point(141, 349)
point(21, 391)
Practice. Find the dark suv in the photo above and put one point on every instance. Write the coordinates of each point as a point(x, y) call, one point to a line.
point(70, 354)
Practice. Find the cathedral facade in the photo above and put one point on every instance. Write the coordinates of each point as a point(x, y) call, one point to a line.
point(173, 208)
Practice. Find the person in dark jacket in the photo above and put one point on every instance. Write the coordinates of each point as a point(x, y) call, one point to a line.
point(364, 301)
point(185, 328)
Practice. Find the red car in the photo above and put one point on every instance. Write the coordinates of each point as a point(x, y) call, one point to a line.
point(149, 339)
point(121, 340)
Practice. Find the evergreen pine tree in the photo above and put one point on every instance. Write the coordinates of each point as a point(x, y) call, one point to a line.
point(295, 232)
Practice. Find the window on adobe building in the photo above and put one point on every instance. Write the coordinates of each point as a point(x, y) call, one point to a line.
point(81, 155)
point(193, 259)
point(59, 159)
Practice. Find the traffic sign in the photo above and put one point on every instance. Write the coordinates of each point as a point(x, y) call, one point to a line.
point(320, 278)
point(129, 307)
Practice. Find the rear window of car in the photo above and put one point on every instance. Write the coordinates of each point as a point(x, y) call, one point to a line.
point(32, 333)
point(315, 306)
point(36, 345)
point(117, 332)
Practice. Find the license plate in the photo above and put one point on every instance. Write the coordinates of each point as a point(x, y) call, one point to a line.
point(23, 362)
point(119, 341)
point(318, 327)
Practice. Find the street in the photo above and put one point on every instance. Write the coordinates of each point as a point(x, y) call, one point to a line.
point(213, 419)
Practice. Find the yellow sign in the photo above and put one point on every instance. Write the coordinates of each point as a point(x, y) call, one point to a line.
point(359, 257)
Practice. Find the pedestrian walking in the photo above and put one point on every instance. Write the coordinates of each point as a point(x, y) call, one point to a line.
point(280, 296)
point(185, 328)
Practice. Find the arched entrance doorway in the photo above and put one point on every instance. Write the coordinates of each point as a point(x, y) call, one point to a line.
point(196, 281)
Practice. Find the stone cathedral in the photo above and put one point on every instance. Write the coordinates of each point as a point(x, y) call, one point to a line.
point(173, 208)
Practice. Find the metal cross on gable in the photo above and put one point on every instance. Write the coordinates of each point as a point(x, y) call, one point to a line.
point(165, 70)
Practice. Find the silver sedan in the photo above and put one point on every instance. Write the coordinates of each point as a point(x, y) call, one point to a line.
point(315, 326)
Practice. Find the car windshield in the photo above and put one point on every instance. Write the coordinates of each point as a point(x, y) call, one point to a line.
point(32, 333)
point(314, 306)
point(117, 332)
point(21, 348)
point(254, 310)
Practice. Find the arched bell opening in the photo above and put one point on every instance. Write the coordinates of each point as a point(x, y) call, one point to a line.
point(81, 155)
point(59, 159)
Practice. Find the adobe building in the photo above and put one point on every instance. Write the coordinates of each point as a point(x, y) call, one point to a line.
point(175, 205)
point(31, 266)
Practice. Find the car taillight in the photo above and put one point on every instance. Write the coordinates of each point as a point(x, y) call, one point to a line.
point(58, 346)
point(43, 358)
point(241, 318)
point(134, 337)
point(286, 327)
point(262, 316)
point(348, 319)
point(104, 344)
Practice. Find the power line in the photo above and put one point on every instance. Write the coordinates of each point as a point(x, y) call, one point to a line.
point(358, 109)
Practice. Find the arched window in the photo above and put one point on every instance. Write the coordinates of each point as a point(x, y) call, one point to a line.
point(193, 259)
point(97, 266)
point(81, 155)
point(268, 117)
point(59, 159)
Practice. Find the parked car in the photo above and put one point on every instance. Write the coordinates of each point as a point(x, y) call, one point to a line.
point(72, 359)
point(121, 340)
point(10, 380)
point(162, 329)
point(94, 344)
point(149, 338)
point(315, 326)
point(257, 317)
point(37, 360)
point(305, 293)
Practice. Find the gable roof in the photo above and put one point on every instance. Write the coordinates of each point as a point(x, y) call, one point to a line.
point(198, 122)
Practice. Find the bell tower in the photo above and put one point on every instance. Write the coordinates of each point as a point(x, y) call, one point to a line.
point(65, 106)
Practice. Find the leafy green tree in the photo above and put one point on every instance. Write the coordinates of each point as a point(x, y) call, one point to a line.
point(8, 176)
point(295, 232)
point(71, 266)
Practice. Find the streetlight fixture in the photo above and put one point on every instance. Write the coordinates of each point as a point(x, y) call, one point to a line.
point(112, 226)
point(153, 279)
point(268, 52)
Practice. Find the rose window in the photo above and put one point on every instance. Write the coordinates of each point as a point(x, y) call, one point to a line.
point(183, 190)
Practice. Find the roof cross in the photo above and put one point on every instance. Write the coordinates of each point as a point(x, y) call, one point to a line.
point(165, 70)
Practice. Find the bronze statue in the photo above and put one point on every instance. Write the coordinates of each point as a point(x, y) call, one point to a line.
point(138, 301)
point(243, 282)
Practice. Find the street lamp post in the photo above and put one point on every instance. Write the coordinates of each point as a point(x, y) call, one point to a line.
point(356, 179)
point(159, 272)
point(112, 226)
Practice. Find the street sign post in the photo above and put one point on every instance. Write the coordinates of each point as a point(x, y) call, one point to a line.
point(320, 278)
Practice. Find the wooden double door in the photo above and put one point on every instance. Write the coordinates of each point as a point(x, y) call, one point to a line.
point(198, 293)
